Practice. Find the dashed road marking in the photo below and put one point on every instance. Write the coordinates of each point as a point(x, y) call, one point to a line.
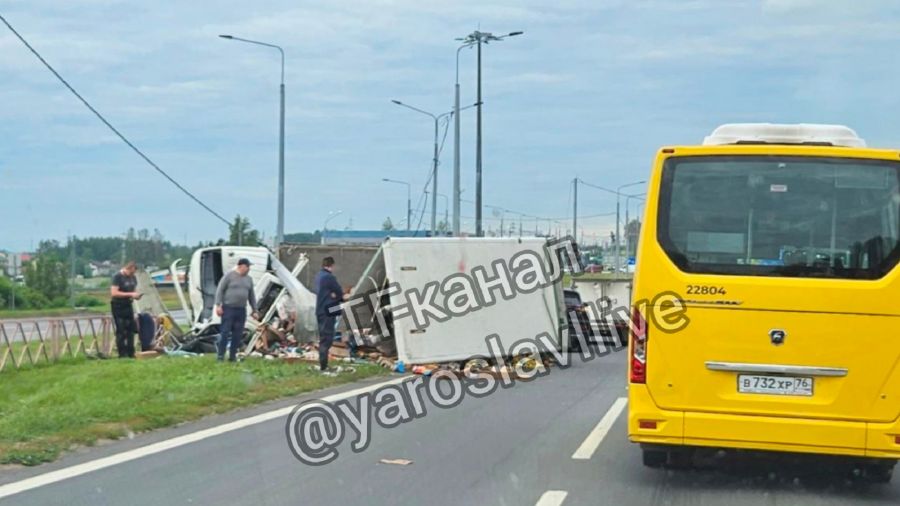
point(552, 498)
point(593, 440)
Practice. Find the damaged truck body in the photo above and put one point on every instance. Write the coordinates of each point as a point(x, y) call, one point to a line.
point(273, 282)
point(389, 312)
point(382, 312)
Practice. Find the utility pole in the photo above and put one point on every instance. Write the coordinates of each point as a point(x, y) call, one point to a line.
point(12, 300)
point(575, 207)
point(434, 170)
point(434, 182)
point(478, 231)
point(72, 270)
point(456, 193)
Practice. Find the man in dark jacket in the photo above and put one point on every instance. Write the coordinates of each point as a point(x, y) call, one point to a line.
point(123, 292)
point(329, 296)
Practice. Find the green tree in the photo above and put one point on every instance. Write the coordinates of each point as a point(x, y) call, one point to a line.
point(240, 233)
point(47, 275)
point(304, 237)
point(388, 224)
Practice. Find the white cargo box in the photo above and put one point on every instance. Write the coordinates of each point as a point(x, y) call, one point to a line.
point(414, 263)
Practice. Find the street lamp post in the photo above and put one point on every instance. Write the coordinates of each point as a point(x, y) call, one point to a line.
point(279, 232)
point(434, 171)
point(408, 198)
point(476, 38)
point(331, 214)
point(575, 209)
point(446, 206)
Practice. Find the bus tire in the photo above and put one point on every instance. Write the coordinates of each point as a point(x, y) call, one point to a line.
point(879, 473)
point(654, 458)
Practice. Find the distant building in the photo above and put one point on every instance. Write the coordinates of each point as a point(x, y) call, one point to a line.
point(11, 264)
point(102, 269)
point(163, 277)
point(366, 237)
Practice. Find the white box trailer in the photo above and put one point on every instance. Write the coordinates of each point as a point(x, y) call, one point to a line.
point(416, 263)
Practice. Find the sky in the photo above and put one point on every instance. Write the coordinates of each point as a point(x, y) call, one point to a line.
point(591, 89)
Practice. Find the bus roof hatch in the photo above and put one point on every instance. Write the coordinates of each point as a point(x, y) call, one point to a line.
point(772, 133)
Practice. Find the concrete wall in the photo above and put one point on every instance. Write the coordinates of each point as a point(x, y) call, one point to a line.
point(350, 261)
point(619, 291)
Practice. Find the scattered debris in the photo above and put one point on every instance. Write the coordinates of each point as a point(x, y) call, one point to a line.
point(396, 462)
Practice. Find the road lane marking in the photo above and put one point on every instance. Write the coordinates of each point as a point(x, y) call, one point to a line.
point(552, 498)
point(590, 444)
point(161, 446)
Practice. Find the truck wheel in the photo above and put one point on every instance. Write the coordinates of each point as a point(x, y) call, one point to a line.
point(654, 458)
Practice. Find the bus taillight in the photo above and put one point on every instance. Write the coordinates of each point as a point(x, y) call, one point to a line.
point(638, 370)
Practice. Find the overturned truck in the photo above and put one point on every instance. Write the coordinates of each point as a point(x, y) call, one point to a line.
point(421, 300)
point(433, 300)
point(273, 283)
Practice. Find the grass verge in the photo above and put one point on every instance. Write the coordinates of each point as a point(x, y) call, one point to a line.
point(46, 410)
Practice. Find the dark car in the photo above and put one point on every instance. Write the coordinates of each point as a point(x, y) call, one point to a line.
point(583, 321)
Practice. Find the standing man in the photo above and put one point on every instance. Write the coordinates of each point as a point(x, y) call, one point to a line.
point(329, 296)
point(235, 291)
point(123, 292)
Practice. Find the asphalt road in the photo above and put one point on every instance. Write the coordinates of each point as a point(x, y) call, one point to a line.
point(16, 327)
point(514, 447)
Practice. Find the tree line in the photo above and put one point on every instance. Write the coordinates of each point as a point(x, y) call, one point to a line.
point(48, 274)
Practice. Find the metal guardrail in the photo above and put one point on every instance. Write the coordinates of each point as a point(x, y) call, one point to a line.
point(30, 343)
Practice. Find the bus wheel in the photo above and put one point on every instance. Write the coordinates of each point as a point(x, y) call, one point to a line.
point(654, 458)
point(879, 473)
point(681, 458)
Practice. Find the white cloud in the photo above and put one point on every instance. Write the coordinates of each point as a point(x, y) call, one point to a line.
point(592, 87)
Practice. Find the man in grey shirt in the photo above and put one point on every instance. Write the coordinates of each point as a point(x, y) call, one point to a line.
point(234, 292)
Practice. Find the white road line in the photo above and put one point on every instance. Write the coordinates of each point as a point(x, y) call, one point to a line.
point(119, 458)
point(590, 444)
point(552, 498)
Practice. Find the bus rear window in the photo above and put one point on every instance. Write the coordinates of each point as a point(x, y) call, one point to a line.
point(781, 216)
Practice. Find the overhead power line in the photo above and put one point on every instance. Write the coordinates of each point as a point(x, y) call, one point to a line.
point(111, 127)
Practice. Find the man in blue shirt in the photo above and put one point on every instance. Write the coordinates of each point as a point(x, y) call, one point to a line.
point(329, 295)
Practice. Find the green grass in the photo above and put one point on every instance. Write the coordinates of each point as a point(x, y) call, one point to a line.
point(46, 357)
point(46, 410)
point(167, 294)
point(170, 298)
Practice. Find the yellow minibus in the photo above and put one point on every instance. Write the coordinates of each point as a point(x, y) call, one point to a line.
point(781, 243)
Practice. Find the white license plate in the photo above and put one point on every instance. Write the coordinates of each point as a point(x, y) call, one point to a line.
point(775, 385)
